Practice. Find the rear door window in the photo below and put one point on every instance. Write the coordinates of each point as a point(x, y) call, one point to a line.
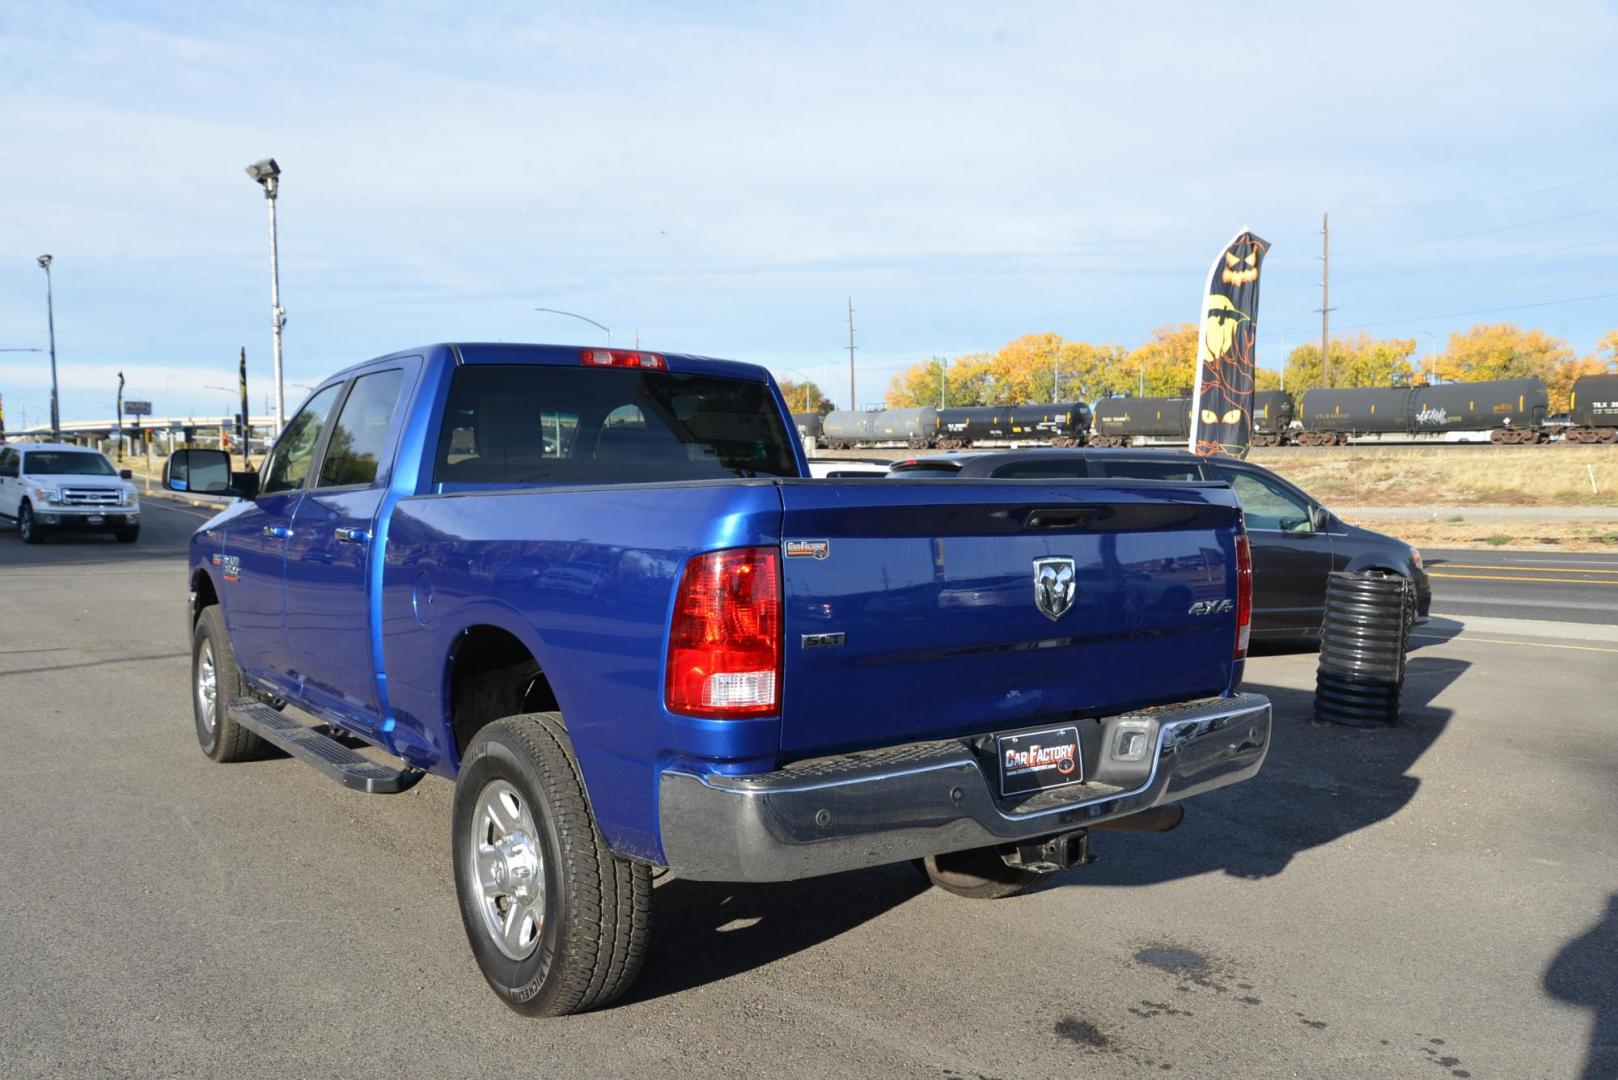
point(541, 424)
point(1265, 504)
point(1139, 469)
point(1064, 468)
point(359, 438)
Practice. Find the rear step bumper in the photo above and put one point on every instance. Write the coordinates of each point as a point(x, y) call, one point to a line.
point(351, 769)
point(886, 806)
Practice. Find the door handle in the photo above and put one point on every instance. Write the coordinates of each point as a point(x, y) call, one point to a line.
point(353, 536)
point(279, 532)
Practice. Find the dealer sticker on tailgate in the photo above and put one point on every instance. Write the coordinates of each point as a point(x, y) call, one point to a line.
point(1035, 760)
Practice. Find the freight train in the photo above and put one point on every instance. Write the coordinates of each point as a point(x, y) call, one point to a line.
point(1061, 424)
point(1594, 410)
point(1509, 411)
point(1133, 421)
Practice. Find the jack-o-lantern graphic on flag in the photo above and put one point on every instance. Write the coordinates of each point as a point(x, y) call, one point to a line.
point(1222, 408)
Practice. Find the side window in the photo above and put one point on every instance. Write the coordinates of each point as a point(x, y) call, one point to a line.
point(8, 463)
point(295, 449)
point(359, 438)
point(1136, 469)
point(1265, 505)
point(1062, 469)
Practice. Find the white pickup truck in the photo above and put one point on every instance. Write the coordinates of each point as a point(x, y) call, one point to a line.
point(48, 486)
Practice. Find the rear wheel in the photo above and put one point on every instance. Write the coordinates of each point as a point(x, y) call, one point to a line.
point(978, 874)
point(557, 922)
point(27, 527)
point(215, 683)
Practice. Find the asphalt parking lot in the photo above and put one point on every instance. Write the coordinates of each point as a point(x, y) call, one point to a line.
point(1438, 899)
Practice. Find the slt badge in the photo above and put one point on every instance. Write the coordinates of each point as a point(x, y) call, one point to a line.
point(1054, 586)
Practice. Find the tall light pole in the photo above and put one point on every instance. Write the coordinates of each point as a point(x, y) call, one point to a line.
point(586, 318)
point(1432, 354)
point(50, 319)
point(268, 175)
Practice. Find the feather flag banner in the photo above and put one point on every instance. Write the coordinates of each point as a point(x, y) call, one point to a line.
point(1222, 405)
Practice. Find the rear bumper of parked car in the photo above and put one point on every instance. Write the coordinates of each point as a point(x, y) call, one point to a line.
point(867, 809)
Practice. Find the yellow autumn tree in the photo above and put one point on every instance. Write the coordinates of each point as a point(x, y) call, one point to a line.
point(1355, 361)
point(1166, 366)
point(804, 397)
point(966, 380)
point(1499, 351)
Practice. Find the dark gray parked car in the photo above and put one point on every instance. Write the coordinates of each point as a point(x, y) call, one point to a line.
point(1296, 541)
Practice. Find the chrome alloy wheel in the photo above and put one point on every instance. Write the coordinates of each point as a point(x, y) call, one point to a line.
point(508, 869)
point(207, 687)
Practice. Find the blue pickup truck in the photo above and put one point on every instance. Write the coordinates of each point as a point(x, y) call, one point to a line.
point(598, 590)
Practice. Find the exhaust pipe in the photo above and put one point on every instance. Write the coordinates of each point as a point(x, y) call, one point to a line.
point(1157, 819)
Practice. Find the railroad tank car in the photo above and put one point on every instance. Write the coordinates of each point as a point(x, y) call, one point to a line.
point(1509, 410)
point(914, 428)
point(1060, 424)
point(1594, 410)
point(809, 424)
point(1121, 421)
point(1273, 412)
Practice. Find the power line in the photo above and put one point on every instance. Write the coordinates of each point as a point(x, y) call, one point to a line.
point(1480, 202)
point(1479, 311)
point(1481, 232)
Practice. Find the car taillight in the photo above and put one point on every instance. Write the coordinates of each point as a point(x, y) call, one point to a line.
point(1244, 594)
point(725, 639)
point(618, 358)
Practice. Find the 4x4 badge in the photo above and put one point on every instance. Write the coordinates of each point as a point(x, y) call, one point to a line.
point(1055, 586)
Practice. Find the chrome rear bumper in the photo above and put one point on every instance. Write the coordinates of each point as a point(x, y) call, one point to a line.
point(867, 809)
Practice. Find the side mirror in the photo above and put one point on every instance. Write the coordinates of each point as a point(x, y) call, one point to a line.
point(125, 474)
point(1319, 519)
point(202, 472)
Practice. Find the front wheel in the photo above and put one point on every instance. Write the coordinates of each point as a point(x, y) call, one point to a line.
point(978, 874)
point(128, 534)
point(216, 681)
point(27, 527)
point(557, 922)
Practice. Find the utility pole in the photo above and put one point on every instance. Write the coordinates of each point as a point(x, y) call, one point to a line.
point(943, 381)
point(118, 417)
point(1056, 359)
point(247, 429)
point(1325, 297)
point(853, 402)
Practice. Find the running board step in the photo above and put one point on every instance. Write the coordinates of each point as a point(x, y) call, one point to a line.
point(325, 753)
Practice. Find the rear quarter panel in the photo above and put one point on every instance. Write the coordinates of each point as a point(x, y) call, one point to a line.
point(585, 579)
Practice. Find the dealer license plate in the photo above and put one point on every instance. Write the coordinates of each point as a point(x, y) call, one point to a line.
point(1036, 760)
point(94, 519)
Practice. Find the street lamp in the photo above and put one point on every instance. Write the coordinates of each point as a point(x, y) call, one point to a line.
point(584, 318)
point(50, 318)
point(1432, 354)
point(267, 174)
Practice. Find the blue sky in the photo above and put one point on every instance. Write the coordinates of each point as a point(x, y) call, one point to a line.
point(721, 178)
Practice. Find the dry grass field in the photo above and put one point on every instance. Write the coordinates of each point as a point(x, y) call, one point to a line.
point(1451, 476)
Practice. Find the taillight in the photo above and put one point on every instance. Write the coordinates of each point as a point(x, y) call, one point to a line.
point(725, 639)
point(619, 358)
point(1244, 594)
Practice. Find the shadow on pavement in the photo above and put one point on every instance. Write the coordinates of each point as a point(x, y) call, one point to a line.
point(706, 931)
point(1585, 973)
point(1320, 782)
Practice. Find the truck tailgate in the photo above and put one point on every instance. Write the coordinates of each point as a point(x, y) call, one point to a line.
point(912, 607)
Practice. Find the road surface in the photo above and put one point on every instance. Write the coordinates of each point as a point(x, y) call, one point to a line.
point(1570, 587)
point(1435, 900)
